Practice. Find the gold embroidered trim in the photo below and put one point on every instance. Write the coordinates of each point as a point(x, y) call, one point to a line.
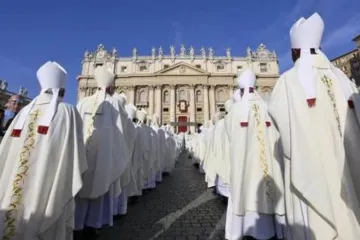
point(328, 83)
point(17, 197)
point(91, 124)
point(262, 148)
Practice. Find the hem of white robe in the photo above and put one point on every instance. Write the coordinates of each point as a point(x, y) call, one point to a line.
point(221, 187)
point(253, 224)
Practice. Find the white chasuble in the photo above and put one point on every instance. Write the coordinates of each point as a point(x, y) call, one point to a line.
point(106, 148)
point(222, 152)
point(211, 155)
point(321, 202)
point(41, 174)
point(256, 183)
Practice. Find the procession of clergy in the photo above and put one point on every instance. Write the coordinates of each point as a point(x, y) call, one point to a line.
point(289, 167)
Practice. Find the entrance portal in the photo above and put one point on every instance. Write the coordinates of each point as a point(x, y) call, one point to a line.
point(182, 127)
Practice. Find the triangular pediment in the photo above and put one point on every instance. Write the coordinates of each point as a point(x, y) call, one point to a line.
point(182, 68)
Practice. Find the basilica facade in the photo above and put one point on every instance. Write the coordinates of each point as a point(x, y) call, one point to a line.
point(184, 88)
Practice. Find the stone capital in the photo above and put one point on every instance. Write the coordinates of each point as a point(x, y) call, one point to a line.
point(158, 86)
point(151, 87)
point(212, 87)
point(172, 87)
point(191, 86)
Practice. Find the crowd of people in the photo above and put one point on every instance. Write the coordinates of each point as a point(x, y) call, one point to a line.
point(289, 167)
point(66, 168)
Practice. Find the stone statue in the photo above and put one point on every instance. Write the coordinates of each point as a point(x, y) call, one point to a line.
point(134, 52)
point(172, 51)
point(160, 51)
point(274, 54)
point(248, 51)
point(211, 52)
point(182, 50)
point(86, 54)
point(100, 47)
point(261, 47)
point(191, 51)
point(114, 52)
point(228, 53)
point(4, 85)
point(203, 52)
point(22, 91)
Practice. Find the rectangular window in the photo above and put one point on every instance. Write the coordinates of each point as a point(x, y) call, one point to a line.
point(239, 68)
point(165, 109)
point(198, 109)
point(220, 67)
point(123, 69)
point(198, 66)
point(98, 64)
point(263, 67)
point(143, 68)
point(166, 66)
point(222, 109)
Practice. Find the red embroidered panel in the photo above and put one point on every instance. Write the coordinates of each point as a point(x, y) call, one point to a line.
point(183, 128)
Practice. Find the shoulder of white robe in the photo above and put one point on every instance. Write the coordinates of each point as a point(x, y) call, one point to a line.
point(277, 90)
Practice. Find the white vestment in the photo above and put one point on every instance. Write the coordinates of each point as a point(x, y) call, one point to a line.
point(41, 174)
point(222, 155)
point(107, 158)
point(256, 185)
point(321, 202)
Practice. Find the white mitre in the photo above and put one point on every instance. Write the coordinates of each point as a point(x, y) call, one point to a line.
point(246, 81)
point(130, 110)
point(51, 76)
point(228, 105)
point(104, 78)
point(307, 34)
point(155, 120)
point(141, 115)
point(121, 99)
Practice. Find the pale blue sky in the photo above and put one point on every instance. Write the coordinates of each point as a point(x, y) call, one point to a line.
point(32, 32)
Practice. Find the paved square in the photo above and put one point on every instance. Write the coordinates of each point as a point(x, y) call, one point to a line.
point(181, 207)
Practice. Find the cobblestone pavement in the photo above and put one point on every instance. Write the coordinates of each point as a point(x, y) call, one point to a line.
point(181, 207)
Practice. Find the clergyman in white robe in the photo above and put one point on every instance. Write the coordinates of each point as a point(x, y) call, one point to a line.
point(222, 155)
point(106, 152)
point(309, 105)
point(256, 202)
point(42, 158)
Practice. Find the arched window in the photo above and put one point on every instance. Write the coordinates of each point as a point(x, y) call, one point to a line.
point(142, 96)
point(166, 96)
point(221, 96)
point(199, 97)
point(182, 95)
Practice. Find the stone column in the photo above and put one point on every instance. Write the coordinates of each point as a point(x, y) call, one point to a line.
point(172, 103)
point(131, 95)
point(231, 91)
point(206, 102)
point(192, 106)
point(151, 100)
point(212, 102)
point(158, 102)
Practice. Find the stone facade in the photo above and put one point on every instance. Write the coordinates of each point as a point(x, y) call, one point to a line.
point(180, 87)
point(349, 62)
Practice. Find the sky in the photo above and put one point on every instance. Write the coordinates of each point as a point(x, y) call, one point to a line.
point(33, 32)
